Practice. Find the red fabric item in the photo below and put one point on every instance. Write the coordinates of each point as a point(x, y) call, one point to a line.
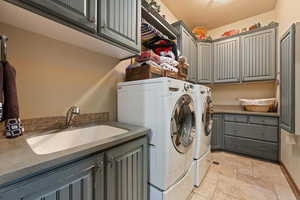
point(148, 55)
point(159, 50)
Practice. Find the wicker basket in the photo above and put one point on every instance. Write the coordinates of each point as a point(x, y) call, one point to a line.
point(143, 72)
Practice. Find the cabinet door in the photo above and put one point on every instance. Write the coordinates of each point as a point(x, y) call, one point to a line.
point(204, 63)
point(287, 79)
point(258, 56)
point(193, 63)
point(80, 12)
point(227, 60)
point(120, 21)
point(217, 138)
point(83, 180)
point(127, 171)
point(185, 45)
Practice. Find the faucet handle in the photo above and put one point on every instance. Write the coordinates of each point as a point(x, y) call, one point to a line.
point(75, 110)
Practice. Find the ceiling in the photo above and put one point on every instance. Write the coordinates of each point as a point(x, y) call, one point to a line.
point(216, 13)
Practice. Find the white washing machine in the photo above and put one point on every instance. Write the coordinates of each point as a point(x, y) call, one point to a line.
point(201, 155)
point(166, 106)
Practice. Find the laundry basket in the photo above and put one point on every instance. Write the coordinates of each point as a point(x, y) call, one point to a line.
point(259, 105)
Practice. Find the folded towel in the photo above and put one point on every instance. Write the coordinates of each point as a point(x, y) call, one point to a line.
point(168, 67)
point(11, 115)
point(169, 61)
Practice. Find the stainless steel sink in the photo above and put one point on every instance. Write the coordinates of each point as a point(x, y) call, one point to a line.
point(68, 139)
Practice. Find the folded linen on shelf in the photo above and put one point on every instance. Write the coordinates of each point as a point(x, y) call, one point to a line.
point(169, 61)
point(166, 66)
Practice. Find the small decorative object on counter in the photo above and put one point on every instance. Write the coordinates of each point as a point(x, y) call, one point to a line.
point(13, 128)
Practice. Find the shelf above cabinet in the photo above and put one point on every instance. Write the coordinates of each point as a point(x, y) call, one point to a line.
point(26, 17)
point(157, 21)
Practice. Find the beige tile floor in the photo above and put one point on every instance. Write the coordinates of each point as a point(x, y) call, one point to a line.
point(241, 178)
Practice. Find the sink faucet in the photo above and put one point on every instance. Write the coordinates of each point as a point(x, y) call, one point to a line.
point(71, 113)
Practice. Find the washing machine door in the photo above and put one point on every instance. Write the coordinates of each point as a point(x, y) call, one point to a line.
point(183, 124)
point(207, 116)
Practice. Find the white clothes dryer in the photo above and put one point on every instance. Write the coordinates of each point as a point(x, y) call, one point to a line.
point(167, 107)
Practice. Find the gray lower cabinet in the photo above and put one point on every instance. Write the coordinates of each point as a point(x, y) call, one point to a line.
point(205, 67)
point(287, 79)
point(120, 173)
point(80, 12)
point(217, 138)
point(226, 60)
point(255, 148)
point(252, 135)
point(83, 180)
point(120, 21)
point(127, 172)
point(258, 55)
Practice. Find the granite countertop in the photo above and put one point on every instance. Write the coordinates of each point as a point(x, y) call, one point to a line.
point(239, 110)
point(18, 161)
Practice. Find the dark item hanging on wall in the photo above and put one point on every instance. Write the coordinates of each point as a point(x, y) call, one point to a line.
point(162, 47)
point(10, 108)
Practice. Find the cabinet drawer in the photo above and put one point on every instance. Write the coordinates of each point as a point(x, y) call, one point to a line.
point(236, 118)
point(263, 120)
point(250, 147)
point(252, 131)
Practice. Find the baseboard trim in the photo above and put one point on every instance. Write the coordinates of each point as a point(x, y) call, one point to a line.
point(290, 180)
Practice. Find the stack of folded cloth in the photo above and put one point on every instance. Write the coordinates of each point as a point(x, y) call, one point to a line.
point(148, 32)
point(168, 64)
point(150, 58)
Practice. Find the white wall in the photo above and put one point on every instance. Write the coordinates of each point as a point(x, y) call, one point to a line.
point(229, 94)
point(53, 75)
point(287, 13)
point(264, 19)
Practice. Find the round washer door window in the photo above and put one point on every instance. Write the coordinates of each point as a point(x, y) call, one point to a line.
point(183, 124)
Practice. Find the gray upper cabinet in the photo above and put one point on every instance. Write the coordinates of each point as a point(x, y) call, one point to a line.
point(80, 12)
point(226, 60)
point(287, 78)
point(120, 21)
point(258, 55)
point(193, 61)
point(205, 67)
point(188, 47)
point(127, 171)
point(83, 180)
